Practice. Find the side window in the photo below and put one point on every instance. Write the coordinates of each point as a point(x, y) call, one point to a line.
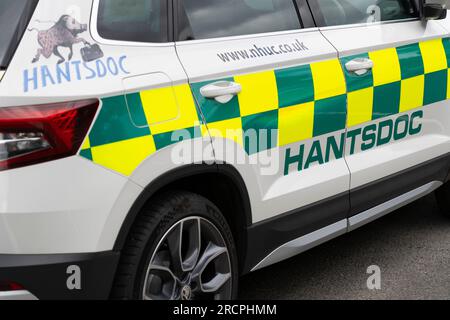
point(133, 20)
point(203, 19)
point(342, 12)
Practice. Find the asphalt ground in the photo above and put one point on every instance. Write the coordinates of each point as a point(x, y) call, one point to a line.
point(410, 246)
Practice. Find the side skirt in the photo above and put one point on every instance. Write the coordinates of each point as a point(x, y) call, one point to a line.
point(303, 244)
point(377, 212)
point(290, 234)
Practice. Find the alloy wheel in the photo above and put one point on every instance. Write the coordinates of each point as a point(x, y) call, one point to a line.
point(191, 262)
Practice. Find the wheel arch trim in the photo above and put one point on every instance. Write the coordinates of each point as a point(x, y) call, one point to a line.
point(178, 174)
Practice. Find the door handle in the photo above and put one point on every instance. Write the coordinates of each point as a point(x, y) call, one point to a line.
point(359, 66)
point(221, 91)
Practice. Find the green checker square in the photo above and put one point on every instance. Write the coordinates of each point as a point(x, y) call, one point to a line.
point(295, 86)
point(386, 100)
point(411, 62)
point(86, 153)
point(212, 110)
point(435, 87)
point(446, 42)
point(355, 82)
point(164, 140)
point(113, 124)
point(136, 109)
point(330, 115)
point(258, 131)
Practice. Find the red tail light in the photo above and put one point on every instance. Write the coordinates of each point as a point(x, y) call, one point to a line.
point(36, 134)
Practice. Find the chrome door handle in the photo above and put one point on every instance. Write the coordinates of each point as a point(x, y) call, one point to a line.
point(221, 91)
point(359, 66)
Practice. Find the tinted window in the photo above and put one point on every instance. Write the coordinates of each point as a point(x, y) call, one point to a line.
point(201, 19)
point(133, 20)
point(341, 12)
point(14, 18)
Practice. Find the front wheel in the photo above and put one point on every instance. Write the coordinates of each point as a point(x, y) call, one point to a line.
point(180, 248)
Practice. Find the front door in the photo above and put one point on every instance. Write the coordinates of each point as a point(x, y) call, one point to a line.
point(273, 96)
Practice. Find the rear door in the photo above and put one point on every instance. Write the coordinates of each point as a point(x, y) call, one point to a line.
point(397, 82)
point(272, 93)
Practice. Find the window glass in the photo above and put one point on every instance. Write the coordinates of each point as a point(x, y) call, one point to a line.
point(133, 20)
point(202, 19)
point(341, 12)
point(14, 18)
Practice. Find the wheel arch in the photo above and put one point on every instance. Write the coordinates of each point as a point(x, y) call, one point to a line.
point(198, 178)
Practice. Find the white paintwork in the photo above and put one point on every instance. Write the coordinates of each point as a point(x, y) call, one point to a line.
point(394, 157)
point(211, 67)
point(383, 209)
point(273, 194)
point(303, 244)
point(61, 207)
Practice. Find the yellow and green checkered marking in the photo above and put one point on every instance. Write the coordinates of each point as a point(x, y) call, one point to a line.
point(299, 103)
point(118, 143)
point(403, 79)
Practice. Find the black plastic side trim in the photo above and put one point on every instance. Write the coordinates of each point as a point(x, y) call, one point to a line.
point(45, 276)
point(176, 175)
point(383, 190)
point(266, 236)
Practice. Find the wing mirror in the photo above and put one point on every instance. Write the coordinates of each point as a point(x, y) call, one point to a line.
point(434, 9)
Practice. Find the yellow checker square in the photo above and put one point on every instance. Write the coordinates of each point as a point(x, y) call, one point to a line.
point(433, 55)
point(295, 123)
point(86, 144)
point(259, 93)
point(125, 156)
point(360, 107)
point(412, 93)
point(329, 80)
point(159, 105)
point(386, 66)
point(227, 129)
point(187, 116)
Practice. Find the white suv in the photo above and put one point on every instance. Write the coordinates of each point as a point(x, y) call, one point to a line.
point(159, 149)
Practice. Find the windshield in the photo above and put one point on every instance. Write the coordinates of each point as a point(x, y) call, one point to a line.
point(14, 18)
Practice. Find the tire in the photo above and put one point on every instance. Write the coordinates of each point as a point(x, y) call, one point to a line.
point(443, 199)
point(151, 266)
